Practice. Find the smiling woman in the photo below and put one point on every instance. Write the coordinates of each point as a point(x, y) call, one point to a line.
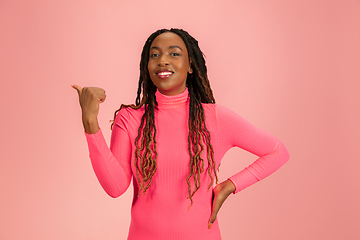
point(171, 142)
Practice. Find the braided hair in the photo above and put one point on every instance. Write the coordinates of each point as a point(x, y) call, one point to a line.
point(200, 92)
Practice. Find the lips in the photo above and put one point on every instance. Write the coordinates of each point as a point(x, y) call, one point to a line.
point(164, 73)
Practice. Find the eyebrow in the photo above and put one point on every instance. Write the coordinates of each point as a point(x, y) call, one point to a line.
point(169, 47)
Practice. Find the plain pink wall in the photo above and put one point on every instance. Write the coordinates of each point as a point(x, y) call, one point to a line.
point(289, 67)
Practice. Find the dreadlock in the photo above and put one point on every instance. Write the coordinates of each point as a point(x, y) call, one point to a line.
point(199, 91)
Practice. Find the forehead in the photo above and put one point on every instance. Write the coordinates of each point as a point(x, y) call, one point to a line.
point(168, 39)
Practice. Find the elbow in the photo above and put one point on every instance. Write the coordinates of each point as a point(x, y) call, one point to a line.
point(115, 194)
point(283, 153)
point(118, 190)
point(279, 155)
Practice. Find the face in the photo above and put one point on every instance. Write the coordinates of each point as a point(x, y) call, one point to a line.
point(169, 64)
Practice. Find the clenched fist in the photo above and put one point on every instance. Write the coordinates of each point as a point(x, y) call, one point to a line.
point(89, 99)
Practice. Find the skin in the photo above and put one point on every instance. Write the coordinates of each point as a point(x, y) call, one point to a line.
point(221, 192)
point(168, 51)
point(90, 99)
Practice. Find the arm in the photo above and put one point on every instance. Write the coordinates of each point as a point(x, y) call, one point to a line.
point(112, 166)
point(237, 131)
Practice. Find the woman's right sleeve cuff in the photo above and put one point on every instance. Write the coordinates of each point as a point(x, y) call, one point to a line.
point(97, 144)
point(92, 134)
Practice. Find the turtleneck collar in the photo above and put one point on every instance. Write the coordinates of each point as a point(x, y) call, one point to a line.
point(174, 101)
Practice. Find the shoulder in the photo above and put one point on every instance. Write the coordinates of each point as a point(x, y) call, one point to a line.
point(127, 114)
point(222, 114)
point(221, 119)
point(216, 112)
point(217, 109)
point(127, 110)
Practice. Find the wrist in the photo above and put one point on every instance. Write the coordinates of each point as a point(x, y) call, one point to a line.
point(89, 117)
point(230, 187)
point(90, 124)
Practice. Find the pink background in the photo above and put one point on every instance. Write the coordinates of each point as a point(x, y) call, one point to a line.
point(289, 67)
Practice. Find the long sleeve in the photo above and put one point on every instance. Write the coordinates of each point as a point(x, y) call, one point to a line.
point(237, 131)
point(112, 166)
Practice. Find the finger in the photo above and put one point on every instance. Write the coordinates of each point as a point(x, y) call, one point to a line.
point(212, 220)
point(214, 212)
point(78, 89)
point(213, 215)
point(102, 98)
point(217, 203)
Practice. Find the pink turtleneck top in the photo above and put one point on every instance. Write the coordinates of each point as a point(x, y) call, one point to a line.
point(161, 214)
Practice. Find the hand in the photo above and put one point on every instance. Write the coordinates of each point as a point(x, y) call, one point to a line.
point(220, 194)
point(90, 98)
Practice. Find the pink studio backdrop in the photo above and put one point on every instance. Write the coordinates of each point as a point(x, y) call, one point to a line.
point(289, 67)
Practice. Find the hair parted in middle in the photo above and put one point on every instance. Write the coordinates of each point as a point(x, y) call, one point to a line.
point(200, 92)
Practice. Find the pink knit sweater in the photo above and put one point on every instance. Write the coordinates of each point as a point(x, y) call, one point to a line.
point(161, 214)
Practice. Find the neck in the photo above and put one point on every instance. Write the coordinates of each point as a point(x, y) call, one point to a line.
point(172, 101)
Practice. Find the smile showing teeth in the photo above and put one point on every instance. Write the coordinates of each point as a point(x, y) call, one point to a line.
point(164, 73)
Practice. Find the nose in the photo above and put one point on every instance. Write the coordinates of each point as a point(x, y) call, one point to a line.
point(163, 60)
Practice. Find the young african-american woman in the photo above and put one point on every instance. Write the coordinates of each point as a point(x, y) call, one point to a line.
point(171, 142)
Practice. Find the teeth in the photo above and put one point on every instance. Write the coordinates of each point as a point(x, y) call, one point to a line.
point(164, 73)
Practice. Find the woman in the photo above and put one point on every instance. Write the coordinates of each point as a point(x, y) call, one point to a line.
point(171, 143)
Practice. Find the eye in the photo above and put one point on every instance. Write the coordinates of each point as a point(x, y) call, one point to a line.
point(153, 55)
point(174, 54)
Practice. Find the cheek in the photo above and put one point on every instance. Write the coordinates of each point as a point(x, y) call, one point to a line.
point(184, 67)
point(150, 68)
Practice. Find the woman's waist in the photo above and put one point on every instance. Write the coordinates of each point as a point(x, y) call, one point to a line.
point(171, 219)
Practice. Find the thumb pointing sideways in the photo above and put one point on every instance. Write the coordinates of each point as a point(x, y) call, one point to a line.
point(78, 89)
